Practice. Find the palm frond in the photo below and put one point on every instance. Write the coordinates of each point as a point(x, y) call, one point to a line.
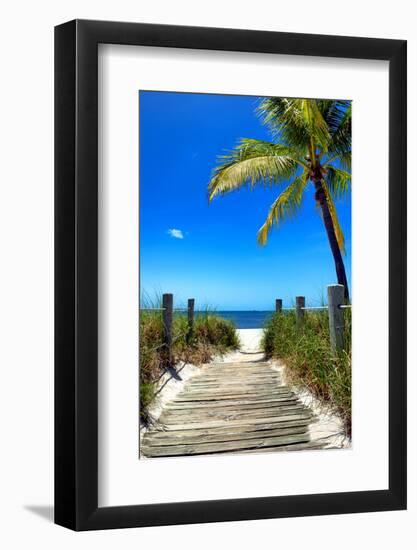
point(333, 212)
point(338, 181)
point(335, 112)
point(346, 161)
point(284, 207)
point(341, 140)
point(298, 122)
point(252, 162)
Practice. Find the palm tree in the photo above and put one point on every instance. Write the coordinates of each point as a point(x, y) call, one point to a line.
point(312, 142)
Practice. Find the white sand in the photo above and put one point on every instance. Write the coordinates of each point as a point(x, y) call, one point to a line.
point(250, 339)
point(328, 427)
point(168, 387)
point(250, 347)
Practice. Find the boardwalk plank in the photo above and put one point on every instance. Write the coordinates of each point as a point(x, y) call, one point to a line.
point(308, 446)
point(243, 404)
point(229, 446)
point(248, 421)
point(243, 376)
point(185, 398)
point(236, 380)
point(159, 433)
point(190, 437)
point(229, 414)
point(213, 389)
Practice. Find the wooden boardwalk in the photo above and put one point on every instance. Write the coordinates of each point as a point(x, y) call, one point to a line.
point(240, 407)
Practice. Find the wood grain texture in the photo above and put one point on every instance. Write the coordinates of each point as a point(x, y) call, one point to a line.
point(230, 408)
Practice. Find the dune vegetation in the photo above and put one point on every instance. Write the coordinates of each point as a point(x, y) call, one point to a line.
point(305, 349)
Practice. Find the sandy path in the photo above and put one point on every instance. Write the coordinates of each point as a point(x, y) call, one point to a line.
point(250, 347)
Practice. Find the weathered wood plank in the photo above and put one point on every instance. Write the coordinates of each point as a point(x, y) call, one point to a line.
point(236, 390)
point(230, 408)
point(169, 420)
point(228, 401)
point(232, 387)
point(239, 372)
point(273, 375)
point(184, 397)
point(204, 448)
point(232, 403)
point(173, 438)
point(247, 422)
point(243, 376)
point(173, 417)
point(309, 446)
point(228, 415)
point(236, 365)
point(159, 432)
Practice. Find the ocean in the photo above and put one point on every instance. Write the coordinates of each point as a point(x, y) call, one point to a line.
point(246, 319)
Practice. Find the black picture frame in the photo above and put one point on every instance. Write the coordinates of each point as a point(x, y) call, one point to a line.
point(76, 272)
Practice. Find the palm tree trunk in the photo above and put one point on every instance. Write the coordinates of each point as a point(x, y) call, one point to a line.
point(331, 235)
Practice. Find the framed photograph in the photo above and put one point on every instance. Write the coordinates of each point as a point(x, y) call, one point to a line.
point(230, 253)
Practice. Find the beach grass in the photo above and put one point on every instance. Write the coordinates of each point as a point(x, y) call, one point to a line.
point(305, 349)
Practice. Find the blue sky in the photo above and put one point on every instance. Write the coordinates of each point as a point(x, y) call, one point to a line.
point(209, 251)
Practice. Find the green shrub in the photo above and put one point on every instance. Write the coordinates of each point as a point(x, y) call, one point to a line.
point(215, 331)
point(146, 395)
point(151, 337)
point(307, 353)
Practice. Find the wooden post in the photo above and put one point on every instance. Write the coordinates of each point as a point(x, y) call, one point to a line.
point(278, 305)
point(335, 295)
point(167, 315)
point(190, 318)
point(300, 303)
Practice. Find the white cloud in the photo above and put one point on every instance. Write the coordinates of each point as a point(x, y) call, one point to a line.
point(176, 233)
